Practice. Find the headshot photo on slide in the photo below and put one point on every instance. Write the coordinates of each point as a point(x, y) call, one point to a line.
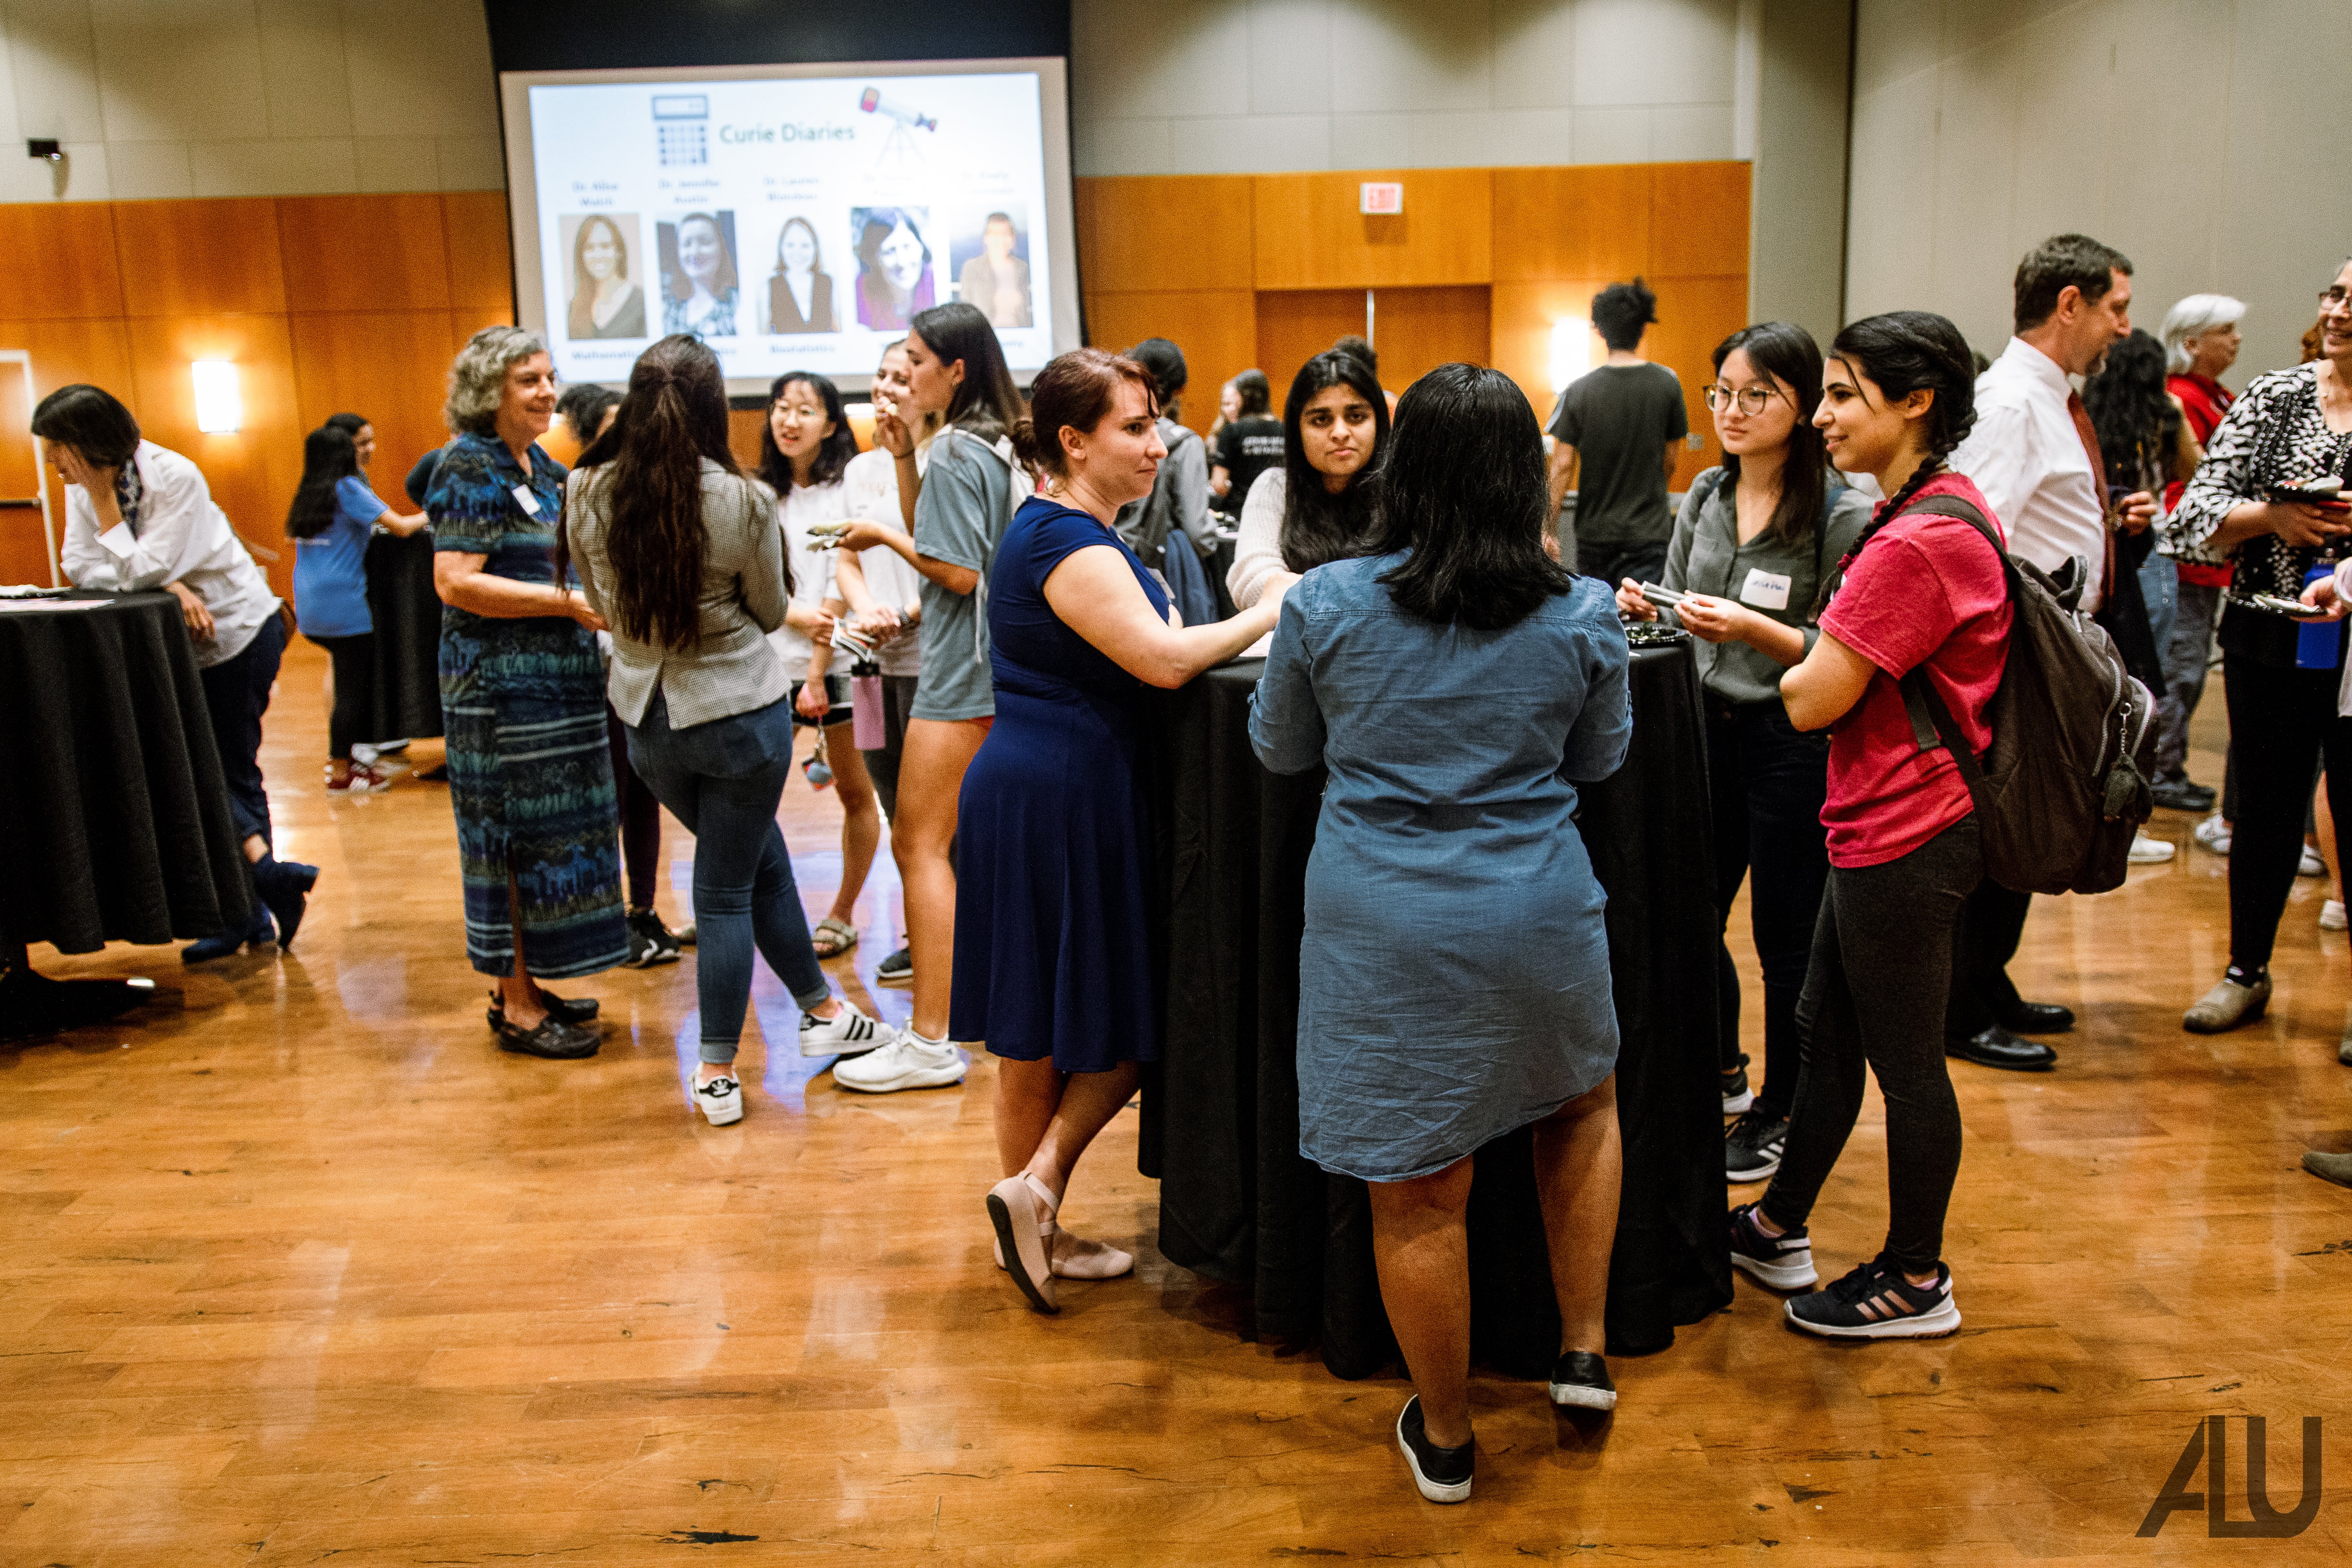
point(989, 254)
point(799, 290)
point(606, 301)
point(697, 273)
point(894, 265)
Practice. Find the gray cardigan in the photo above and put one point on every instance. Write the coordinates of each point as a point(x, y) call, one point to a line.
point(1706, 557)
point(732, 669)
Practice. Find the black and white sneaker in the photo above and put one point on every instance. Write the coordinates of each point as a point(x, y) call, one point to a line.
point(650, 941)
point(1581, 1379)
point(1751, 1149)
point(1784, 1262)
point(1442, 1475)
point(848, 1033)
point(1737, 1096)
point(897, 971)
point(720, 1099)
point(1876, 1302)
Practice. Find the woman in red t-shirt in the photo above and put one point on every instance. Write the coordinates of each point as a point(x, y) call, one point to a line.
point(1921, 591)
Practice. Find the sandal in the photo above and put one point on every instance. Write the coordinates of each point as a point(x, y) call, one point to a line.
point(833, 937)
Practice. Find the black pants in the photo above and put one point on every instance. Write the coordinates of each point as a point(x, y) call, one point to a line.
point(354, 708)
point(237, 694)
point(640, 818)
point(1767, 780)
point(1643, 560)
point(1873, 1005)
point(2281, 723)
point(1991, 929)
point(882, 766)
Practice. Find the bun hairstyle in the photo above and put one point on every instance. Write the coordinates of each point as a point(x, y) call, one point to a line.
point(1075, 391)
point(1463, 491)
point(1317, 526)
point(1901, 352)
point(648, 467)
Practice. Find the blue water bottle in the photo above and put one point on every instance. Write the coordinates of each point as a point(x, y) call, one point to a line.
point(2319, 644)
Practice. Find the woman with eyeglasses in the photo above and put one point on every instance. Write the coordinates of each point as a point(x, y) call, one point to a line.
point(1747, 555)
point(2280, 675)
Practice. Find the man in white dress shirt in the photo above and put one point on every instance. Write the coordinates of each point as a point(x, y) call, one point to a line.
point(2033, 457)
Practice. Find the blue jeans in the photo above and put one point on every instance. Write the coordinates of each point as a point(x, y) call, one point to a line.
point(723, 779)
point(2160, 590)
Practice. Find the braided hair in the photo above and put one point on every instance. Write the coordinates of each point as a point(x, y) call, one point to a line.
point(1899, 353)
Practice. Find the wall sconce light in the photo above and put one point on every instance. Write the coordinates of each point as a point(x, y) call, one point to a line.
point(220, 407)
point(1572, 349)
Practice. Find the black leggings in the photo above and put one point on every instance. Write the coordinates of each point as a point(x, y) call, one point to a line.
point(2281, 723)
point(1875, 1003)
point(355, 710)
point(640, 818)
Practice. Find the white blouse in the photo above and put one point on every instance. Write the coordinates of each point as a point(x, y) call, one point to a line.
point(180, 536)
point(1257, 549)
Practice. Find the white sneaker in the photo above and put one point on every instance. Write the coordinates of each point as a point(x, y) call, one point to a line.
point(2147, 851)
point(909, 1061)
point(2214, 834)
point(847, 1032)
point(2311, 864)
point(721, 1100)
point(2331, 915)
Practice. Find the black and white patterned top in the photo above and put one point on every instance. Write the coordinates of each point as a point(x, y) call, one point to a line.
point(2272, 435)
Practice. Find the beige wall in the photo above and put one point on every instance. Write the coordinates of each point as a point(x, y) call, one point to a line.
point(247, 97)
point(2206, 140)
point(1230, 86)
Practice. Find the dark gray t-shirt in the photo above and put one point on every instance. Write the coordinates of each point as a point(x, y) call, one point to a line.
point(1619, 419)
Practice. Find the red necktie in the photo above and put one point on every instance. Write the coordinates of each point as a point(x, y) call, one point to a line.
point(2081, 418)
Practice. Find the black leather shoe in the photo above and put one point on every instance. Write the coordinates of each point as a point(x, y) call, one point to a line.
point(555, 1039)
point(569, 1009)
point(1997, 1047)
point(2179, 795)
point(2034, 1018)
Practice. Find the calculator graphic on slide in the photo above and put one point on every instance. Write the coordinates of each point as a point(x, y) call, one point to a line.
point(681, 123)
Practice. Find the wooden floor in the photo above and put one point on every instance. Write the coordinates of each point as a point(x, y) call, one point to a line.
point(297, 1266)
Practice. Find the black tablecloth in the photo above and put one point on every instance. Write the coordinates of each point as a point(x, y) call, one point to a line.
point(1220, 1114)
point(407, 614)
point(114, 820)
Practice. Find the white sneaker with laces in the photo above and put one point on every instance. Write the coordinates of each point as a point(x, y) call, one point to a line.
point(720, 1099)
point(847, 1032)
point(2147, 851)
point(2214, 834)
point(909, 1061)
point(2331, 915)
point(2311, 865)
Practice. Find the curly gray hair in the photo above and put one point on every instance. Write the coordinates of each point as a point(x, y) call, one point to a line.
point(477, 377)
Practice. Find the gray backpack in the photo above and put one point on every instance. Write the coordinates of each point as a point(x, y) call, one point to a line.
point(2063, 788)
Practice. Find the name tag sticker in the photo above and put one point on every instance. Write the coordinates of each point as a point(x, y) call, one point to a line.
point(530, 504)
point(1765, 590)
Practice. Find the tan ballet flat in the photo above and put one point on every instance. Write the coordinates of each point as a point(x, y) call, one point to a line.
point(1022, 1211)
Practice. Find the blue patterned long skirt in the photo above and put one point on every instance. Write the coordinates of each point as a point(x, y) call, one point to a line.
point(530, 781)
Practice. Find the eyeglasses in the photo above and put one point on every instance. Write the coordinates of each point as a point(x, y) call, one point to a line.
point(1752, 400)
point(2334, 300)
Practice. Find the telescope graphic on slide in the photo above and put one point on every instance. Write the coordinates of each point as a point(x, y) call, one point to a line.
point(898, 150)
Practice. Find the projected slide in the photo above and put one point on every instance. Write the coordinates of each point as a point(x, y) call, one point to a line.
point(793, 222)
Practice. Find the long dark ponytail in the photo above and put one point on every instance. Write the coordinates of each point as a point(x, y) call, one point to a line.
point(673, 416)
point(1316, 525)
point(329, 458)
point(987, 403)
point(1901, 352)
point(1788, 355)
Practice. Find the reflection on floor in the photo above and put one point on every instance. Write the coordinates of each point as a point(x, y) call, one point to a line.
point(299, 1266)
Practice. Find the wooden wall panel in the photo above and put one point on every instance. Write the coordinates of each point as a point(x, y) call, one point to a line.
point(364, 253)
point(1699, 220)
point(1294, 325)
point(199, 258)
point(1310, 235)
point(1420, 329)
point(481, 251)
point(1694, 315)
point(65, 352)
point(1157, 235)
point(1522, 315)
point(391, 366)
point(1217, 331)
point(1587, 221)
point(57, 260)
point(252, 472)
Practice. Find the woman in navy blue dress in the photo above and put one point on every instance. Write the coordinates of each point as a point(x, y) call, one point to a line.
point(1052, 965)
